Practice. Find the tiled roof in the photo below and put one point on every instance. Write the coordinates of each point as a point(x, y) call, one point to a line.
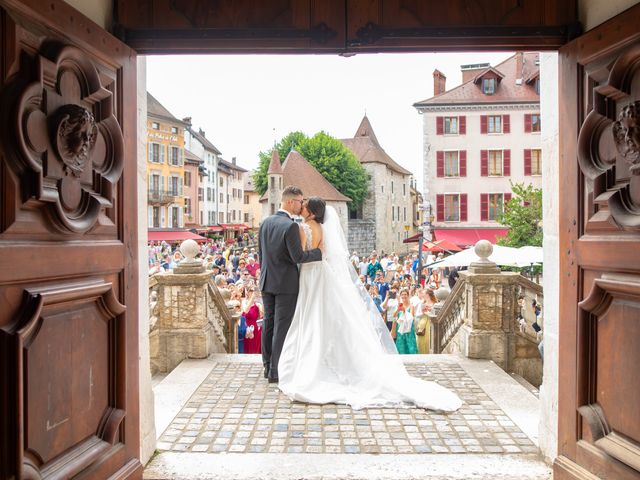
point(155, 108)
point(296, 170)
point(275, 167)
point(506, 92)
point(188, 155)
point(367, 149)
point(230, 165)
point(204, 141)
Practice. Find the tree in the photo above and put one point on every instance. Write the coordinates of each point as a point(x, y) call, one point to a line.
point(523, 215)
point(329, 156)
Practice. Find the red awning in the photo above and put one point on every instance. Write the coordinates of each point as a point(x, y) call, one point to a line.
point(469, 236)
point(412, 239)
point(173, 236)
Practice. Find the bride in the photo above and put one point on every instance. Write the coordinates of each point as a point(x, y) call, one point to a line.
point(338, 349)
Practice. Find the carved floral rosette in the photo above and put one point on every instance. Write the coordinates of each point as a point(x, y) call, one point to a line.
point(609, 142)
point(68, 141)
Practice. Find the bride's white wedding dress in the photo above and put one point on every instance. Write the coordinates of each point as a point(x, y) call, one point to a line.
point(338, 349)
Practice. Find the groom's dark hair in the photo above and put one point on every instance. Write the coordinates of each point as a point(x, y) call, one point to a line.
point(290, 191)
point(317, 206)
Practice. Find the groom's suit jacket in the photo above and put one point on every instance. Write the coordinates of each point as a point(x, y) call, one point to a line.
point(280, 252)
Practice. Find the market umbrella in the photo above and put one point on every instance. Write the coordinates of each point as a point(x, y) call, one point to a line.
point(500, 256)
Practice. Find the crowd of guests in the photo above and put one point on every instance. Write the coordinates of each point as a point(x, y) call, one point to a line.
point(403, 299)
point(235, 271)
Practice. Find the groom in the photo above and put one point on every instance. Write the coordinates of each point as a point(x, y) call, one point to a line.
point(280, 253)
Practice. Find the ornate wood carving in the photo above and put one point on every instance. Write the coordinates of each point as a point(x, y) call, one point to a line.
point(69, 403)
point(67, 146)
point(613, 300)
point(609, 145)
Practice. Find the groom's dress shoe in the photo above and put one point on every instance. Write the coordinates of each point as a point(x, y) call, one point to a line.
point(266, 372)
point(273, 380)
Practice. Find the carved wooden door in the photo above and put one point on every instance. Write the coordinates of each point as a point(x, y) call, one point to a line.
point(68, 259)
point(599, 403)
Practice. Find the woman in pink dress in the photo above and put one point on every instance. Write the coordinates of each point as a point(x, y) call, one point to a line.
point(251, 312)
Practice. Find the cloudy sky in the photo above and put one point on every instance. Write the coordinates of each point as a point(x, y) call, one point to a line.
point(245, 102)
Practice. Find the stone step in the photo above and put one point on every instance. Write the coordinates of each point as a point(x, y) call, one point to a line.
point(257, 466)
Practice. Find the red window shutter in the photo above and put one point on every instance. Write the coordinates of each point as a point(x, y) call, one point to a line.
point(506, 124)
point(440, 163)
point(439, 125)
point(506, 163)
point(507, 197)
point(484, 163)
point(463, 163)
point(463, 125)
point(483, 124)
point(527, 161)
point(440, 208)
point(463, 207)
point(484, 207)
point(527, 123)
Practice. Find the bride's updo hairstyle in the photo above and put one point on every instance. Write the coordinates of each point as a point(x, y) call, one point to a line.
point(317, 206)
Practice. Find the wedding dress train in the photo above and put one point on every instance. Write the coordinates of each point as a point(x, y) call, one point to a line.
point(338, 349)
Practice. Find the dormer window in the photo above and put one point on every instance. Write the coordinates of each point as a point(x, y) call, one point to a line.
point(488, 86)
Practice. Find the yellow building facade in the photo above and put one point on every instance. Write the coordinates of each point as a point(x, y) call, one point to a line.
point(165, 167)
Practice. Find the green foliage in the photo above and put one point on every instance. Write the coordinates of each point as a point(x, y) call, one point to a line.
point(523, 216)
point(329, 156)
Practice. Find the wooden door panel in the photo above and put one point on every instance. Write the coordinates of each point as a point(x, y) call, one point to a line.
point(599, 427)
point(68, 259)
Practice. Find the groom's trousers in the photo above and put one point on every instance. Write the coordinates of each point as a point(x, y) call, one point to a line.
point(278, 313)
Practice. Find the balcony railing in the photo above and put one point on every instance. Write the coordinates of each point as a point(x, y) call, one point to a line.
point(162, 196)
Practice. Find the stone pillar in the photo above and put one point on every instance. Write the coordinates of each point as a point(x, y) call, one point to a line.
point(434, 332)
point(183, 325)
point(491, 309)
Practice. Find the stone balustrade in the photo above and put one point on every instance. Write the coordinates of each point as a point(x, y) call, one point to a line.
point(489, 315)
point(188, 317)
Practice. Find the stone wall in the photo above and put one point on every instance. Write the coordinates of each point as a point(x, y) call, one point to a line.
point(361, 236)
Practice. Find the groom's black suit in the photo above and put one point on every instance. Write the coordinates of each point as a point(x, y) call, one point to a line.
point(280, 253)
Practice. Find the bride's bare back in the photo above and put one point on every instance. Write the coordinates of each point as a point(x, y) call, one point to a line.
point(316, 234)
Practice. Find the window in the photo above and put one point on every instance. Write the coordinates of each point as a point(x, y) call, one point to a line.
point(155, 125)
point(452, 208)
point(187, 179)
point(221, 198)
point(496, 202)
point(200, 194)
point(155, 184)
point(393, 214)
point(246, 199)
point(187, 206)
point(451, 164)
point(536, 86)
point(404, 189)
point(221, 182)
point(221, 216)
point(391, 186)
point(535, 122)
point(174, 129)
point(246, 218)
point(208, 194)
point(451, 125)
point(536, 162)
point(488, 86)
point(405, 213)
point(155, 153)
point(156, 217)
point(495, 162)
point(175, 217)
point(494, 124)
point(173, 186)
point(175, 156)
point(234, 215)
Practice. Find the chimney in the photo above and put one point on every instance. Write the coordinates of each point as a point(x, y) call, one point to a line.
point(439, 82)
point(201, 132)
point(519, 67)
point(233, 160)
point(471, 70)
point(187, 120)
